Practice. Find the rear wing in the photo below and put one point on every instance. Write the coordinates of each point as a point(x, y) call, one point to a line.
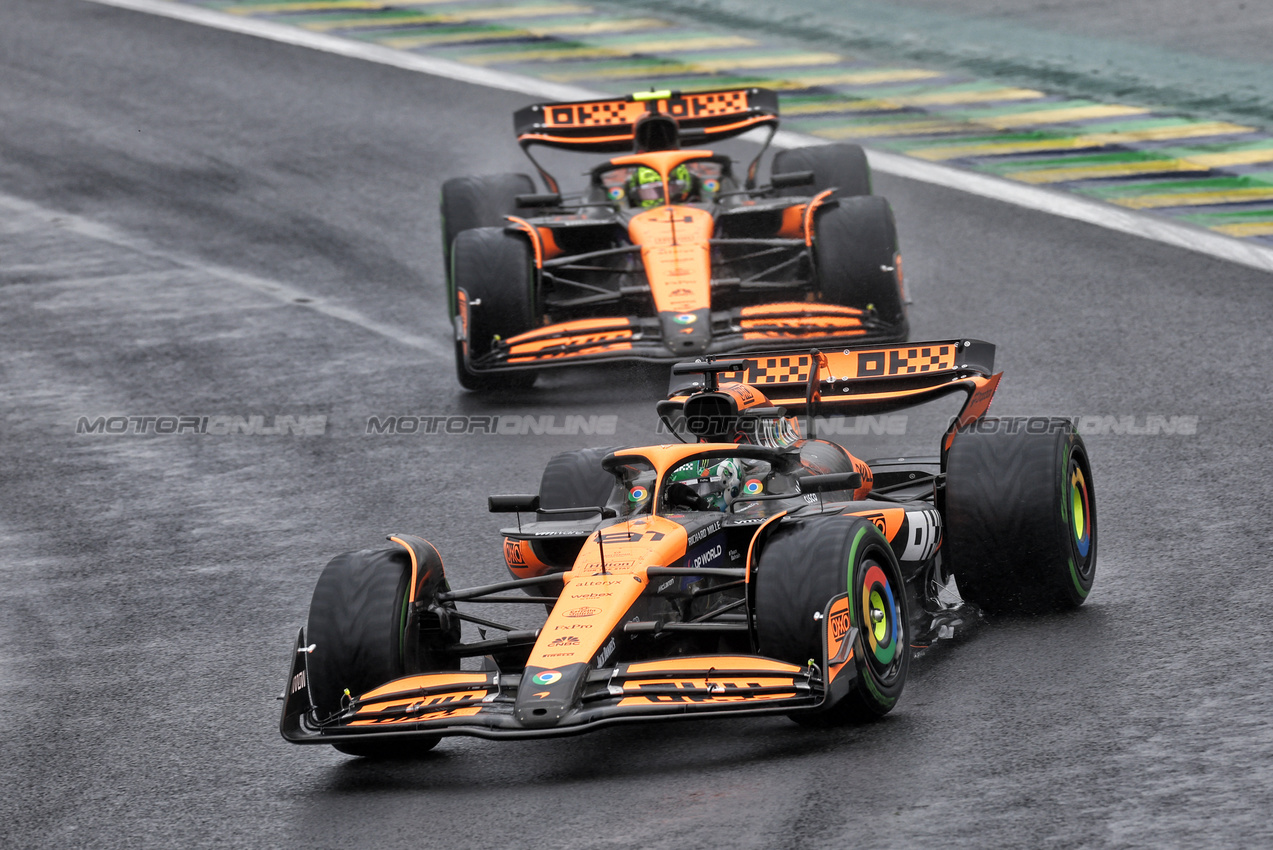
point(608, 126)
point(611, 125)
point(859, 380)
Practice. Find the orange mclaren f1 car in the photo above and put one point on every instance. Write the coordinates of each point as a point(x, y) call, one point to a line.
point(666, 253)
point(750, 570)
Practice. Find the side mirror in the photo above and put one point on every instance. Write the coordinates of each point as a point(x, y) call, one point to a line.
point(538, 201)
point(792, 178)
point(832, 481)
point(512, 504)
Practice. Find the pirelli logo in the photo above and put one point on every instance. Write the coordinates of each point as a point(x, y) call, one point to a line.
point(887, 362)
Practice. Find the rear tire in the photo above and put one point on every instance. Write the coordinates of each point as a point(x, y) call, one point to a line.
point(1021, 515)
point(495, 269)
point(858, 263)
point(478, 201)
point(803, 566)
point(575, 479)
point(842, 167)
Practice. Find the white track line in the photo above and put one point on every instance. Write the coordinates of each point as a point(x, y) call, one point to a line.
point(278, 291)
point(1104, 215)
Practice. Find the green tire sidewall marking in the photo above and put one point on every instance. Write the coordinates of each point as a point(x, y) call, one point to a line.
point(853, 553)
point(1075, 576)
point(1066, 495)
point(1065, 485)
point(402, 626)
point(452, 291)
point(869, 674)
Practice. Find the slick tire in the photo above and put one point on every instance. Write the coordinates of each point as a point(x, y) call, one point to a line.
point(496, 271)
point(1021, 526)
point(842, 167)
point(803, 566)
point(357, 625)
point(478, 201)
point(858, 262)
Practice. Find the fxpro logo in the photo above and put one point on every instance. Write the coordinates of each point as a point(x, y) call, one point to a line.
point(258, 425)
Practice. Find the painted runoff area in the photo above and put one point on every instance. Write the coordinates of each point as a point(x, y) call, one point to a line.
point(1104, 164)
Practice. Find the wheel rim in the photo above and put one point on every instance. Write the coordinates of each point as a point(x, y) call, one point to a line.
point(881, 619)
point(1079, 500)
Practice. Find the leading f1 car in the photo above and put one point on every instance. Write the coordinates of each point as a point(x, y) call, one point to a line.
point(665, 253)
point(752, 569)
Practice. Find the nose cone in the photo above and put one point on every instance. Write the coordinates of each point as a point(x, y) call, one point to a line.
point(686, 333)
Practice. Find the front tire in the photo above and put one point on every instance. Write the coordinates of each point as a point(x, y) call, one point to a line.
point(496, 271)
point(358, 626)
point(1021, 515)
point(478, 201)
point(803, 566)
point(858, 261)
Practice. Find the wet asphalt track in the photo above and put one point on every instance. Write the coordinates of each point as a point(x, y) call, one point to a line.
point(155, 178)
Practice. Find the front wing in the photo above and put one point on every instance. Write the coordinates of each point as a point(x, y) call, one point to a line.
point(484, 704)
point(756, 328)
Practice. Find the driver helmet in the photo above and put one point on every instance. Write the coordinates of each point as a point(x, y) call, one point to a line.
point(719, 483)
point(680, 184)
point(759, 423)
point(645, 186)
point(776, 432)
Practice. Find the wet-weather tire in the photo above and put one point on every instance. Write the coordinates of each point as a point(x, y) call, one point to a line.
point(842, 167)
point(575, 479)
point(858, 262)
point(495, 269)
point(1021, 526)
point(357, 625)
point(478, 201)
point(803, 566)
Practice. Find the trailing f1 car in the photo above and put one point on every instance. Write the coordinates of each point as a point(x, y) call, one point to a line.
point(752, 571)
point(666, 253)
